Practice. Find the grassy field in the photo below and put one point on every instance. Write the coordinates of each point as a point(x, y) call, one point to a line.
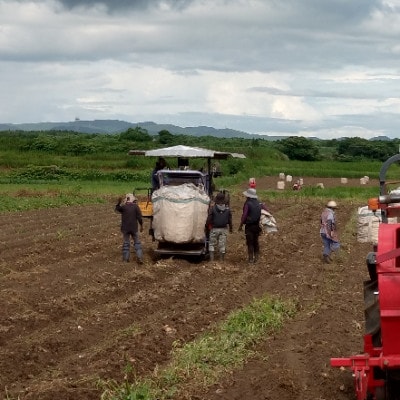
point(34, 178)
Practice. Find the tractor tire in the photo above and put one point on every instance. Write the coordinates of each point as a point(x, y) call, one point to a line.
point(393, 385)
point(372, 312)
point(380, 393)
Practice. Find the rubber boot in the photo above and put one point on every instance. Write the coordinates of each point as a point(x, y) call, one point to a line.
point(251, 257)
point(211, 256)
point(255, 257)
point(222, 256)
point(326, 259)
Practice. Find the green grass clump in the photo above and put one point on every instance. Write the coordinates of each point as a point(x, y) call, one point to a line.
point(201, 363)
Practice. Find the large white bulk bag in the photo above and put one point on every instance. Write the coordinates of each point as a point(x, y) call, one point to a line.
point(180, 213)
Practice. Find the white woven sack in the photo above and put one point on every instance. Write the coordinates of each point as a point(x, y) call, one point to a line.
point(268, 222)
point(180, 213)
point(368, 225)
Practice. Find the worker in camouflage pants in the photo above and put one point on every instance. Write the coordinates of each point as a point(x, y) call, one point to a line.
point(219, 221)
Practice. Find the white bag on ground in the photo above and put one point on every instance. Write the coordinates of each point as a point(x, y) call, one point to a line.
point(180, 213)
point(267, 222)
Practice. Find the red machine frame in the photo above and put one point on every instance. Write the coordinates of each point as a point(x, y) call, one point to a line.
point(373, 369)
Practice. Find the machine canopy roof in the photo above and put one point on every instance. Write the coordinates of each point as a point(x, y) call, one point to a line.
point(186, 152)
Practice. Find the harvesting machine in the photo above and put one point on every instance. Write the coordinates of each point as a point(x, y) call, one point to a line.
point(178, 209)
point(376, 372)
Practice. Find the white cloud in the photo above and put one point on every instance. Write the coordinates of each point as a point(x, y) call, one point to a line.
point(251, 65)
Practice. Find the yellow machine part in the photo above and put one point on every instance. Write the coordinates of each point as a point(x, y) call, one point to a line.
point(146, 207)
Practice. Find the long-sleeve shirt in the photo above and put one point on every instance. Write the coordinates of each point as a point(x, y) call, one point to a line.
point(131, 216)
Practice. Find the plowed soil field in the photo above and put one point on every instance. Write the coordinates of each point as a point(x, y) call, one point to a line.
point(71, 312)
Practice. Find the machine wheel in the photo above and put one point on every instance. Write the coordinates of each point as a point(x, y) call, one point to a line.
point(372, 312)
point(380, 393)
point(391, 389)
point(371, 265)
point(393, 385)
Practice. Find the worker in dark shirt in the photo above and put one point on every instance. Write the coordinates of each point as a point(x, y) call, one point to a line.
point(131, 219)
point(160, 164)
point(218, 222)
point(251, 219)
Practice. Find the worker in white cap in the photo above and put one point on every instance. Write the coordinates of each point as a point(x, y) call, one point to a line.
point(131, 219)
point(328, 231)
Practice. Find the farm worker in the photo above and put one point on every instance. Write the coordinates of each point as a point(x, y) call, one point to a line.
point(251, 219)
point(252, 183)
point(297, 185)
point(160, 164)
point(131, 218)
point(219, 221)
point(328, 231)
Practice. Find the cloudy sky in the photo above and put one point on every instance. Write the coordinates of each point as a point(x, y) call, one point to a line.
point(325, 68)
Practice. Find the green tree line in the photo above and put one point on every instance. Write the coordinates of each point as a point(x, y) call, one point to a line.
point(294, 148)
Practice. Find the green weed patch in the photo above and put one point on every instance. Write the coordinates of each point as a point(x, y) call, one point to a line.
point(201, 363)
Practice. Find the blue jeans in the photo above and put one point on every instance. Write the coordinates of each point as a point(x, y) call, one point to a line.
point(329, 245)
point(127, 245)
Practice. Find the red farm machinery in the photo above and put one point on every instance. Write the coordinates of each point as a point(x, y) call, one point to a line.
point(376, 372)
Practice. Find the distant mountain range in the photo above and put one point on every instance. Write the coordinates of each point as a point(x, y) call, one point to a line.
point(110, 126)
point(116, 126)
